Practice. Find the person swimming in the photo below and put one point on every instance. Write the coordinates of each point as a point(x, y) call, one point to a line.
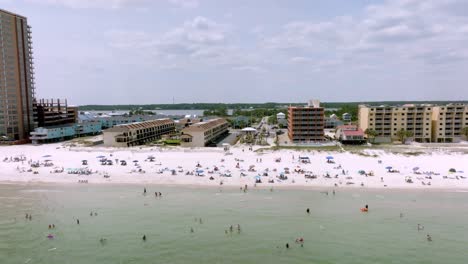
point(333, 192)
point(200, 221)
point(231, 229)
point(144, 237)
point(191, 230)
point(50, 227)
point(238, 228)
point(144, 190)
point(77, 221)
point(160, 194)
point(287, 245)
point(420, 227)
point(156, 194)
point(308, 210)
point(53, 226)
point(91, 214)
point(102, 240)
point(429, 238)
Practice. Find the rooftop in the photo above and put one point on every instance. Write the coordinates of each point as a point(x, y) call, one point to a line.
point(206, 125)
point(140, 125)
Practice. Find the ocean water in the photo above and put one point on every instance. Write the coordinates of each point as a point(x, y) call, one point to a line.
point(335, 231)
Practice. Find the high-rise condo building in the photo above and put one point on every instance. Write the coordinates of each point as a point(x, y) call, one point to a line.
point(16, 78)
point(306, 123)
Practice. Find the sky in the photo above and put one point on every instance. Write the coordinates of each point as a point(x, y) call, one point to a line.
point(227, 51)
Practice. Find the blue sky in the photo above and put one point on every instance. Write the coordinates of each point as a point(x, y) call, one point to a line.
point(149, 51)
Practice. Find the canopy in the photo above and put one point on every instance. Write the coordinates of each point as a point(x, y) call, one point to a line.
point(329, 157)
point(388, 167)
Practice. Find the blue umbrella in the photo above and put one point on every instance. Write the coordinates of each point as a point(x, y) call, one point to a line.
point(100, 157)
point(416, 168)
point(47, 156)
point(199, 171)
point(257, 178)
point(388, 167)
point(329, 157)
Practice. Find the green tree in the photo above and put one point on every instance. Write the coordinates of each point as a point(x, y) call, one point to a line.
point(371, 134)
point(403, 135)
point(465, 132)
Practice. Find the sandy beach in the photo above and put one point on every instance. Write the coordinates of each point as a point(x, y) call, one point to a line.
point(56, 163)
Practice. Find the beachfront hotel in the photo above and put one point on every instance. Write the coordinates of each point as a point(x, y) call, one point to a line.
point(139, 133)
point(428, 123)
point(448, 122)
point(202, 134)
point(306, 123)
point(388, 120)
point(16, 78)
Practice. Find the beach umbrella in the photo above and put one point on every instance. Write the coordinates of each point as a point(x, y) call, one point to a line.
point(258, 178)
point(100, 157)
point(47, 156)
point(416, 168)
point(329, 157)
point(135, 161)
point(199, 171)
point(388, 167)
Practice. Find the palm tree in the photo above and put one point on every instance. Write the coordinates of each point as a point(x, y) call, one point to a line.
point(403, 135)
point(371, 134)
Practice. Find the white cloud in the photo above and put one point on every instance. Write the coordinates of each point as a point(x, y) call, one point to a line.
point(185, 3)
point(390, 31)
point(113, 4)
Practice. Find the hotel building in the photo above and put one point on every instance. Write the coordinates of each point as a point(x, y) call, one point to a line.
point(448, 122)
point(16, 78)
point(388, 120)
point(138, 133)
point(205, 133)
point(306, 123)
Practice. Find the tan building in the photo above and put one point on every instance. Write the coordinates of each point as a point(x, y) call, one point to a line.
point(306, 123)
point(388, 120)
point(138, 133)
point(16, 78)
point(448, 122)
point(204, 133)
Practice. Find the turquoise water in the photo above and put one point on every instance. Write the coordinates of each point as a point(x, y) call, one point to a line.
point(335, 231)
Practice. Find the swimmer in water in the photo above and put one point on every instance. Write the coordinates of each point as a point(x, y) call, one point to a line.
point(95, 214)
point(308, 210)
point(50, 227)
point(287, 245)
point(238, 228)
point(144, 238)
point(191, 230)
point(144, 190)
point(420, 227)
point(367, 207)
point(156, 194)
point(160, 194)
point(53, 226)
point(201, 222)
point(333, 192)
point(103, 241)
point(231, 229)
point(77, 221)
point(91, 214)
point(429, 238)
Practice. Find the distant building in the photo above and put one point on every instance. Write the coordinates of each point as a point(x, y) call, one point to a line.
point(281, 119)
point(349, 134)
point(139, 133)
point(64, 132)
point(204, 133)
point(346, 117)
point(332, 122)
point(17, 78)
point(54, 113)
point(448, 122)
point(306, 123)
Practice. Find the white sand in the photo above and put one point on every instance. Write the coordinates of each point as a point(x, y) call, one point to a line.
point(168, 159)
